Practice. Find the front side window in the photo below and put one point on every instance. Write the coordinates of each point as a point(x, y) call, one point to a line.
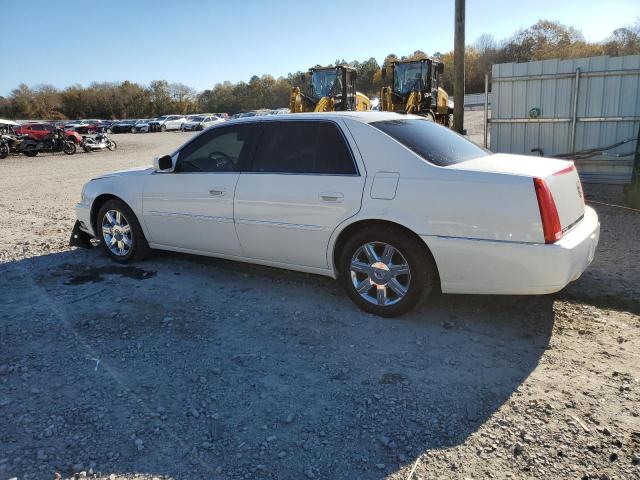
point(436, 144)
point(303, 148)
point(218, 150)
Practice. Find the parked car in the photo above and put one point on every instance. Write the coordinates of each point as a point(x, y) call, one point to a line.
point(104, 126)
point(87, 127)
point(200, 122)
point(167, 122)
point(393, 206)
point(142, 125)
point(39, 131)
point(123, 126)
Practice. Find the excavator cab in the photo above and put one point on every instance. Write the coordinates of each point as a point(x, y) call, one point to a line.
point(415, 89)
point(331, 89)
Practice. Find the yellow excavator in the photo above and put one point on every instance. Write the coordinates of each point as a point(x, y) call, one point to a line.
point(415, 89)
point(331, 89)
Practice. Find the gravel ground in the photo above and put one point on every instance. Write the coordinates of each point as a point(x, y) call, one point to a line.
point(186, 367)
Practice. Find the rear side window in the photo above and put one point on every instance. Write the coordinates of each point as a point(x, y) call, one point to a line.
point(436, 144)
point(304, 148)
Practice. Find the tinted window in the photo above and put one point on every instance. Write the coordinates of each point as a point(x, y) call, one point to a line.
point(435, 143)
point(303, 147)
point(217, 150)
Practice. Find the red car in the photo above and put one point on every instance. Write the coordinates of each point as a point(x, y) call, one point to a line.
point(41, 130)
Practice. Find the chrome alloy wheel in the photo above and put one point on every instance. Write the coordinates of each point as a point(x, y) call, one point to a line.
point(380, 273)
point(116, 233)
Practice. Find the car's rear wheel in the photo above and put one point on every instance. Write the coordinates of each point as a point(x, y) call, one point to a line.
point(163, 128)
point(120, 233)
point(385, 271)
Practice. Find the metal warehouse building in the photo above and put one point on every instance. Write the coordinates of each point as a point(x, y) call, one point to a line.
point(555, 107)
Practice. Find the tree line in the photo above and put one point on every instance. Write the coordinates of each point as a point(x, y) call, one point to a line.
point(107, 100)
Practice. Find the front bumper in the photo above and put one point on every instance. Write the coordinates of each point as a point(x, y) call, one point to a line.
point(79, 238)
point(513, 268)
point(83, 216)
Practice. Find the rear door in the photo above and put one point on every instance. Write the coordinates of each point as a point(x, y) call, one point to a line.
point(302, 183)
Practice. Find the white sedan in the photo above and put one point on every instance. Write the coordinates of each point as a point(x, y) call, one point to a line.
point(201, 122)
point(393, 206)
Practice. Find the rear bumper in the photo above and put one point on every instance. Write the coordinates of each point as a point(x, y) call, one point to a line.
point(511, 268)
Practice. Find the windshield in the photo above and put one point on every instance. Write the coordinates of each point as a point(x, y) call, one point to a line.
point(163, 117)
point(198, 118)
point(436, 144)
point(326, 83)
point(407, 77)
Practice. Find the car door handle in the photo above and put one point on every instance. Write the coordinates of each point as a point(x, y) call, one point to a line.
point(217, 192)
point(335, 197)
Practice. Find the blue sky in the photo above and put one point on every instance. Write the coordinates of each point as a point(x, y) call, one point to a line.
point(202, 42)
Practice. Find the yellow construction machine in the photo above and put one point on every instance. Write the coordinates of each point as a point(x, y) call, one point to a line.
point(415, 89)
point(331, 89)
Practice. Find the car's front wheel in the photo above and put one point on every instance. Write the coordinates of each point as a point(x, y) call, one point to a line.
point(385, 271)
point(120, 233)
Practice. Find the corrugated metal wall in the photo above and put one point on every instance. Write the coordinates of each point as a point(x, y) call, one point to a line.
point(608, 111)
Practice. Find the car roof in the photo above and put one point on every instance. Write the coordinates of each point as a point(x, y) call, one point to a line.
point(364, 117)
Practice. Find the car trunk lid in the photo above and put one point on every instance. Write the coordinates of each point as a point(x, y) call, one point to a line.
point(560, 177)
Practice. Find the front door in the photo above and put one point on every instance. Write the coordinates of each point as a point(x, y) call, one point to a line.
point(192, 207)
point(303, 182)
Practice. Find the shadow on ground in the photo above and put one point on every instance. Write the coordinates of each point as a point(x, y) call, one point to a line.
point(200, 368)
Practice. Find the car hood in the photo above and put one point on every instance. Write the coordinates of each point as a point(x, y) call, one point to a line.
point(127, 173)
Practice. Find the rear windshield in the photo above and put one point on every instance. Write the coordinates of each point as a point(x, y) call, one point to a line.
point(433, 142)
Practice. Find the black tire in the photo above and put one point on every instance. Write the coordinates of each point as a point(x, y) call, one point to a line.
point(412, 251)
point(139, 249)
point(86, 148)
point(69, 148)
point(30, 153)
point(163, 128)
point(112, 145)
point(4, 151)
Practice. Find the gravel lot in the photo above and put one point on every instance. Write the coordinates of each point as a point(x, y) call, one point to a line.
point(186, 367)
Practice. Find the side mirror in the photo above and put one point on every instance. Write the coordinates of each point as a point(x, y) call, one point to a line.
point(163, 163)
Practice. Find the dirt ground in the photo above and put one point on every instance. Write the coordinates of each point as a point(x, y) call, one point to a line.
point(184, 367)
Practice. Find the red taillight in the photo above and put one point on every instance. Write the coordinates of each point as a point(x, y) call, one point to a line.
point(548, 212)
point(570, 168)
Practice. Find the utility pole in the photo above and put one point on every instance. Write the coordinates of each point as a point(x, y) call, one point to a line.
point(458, 68)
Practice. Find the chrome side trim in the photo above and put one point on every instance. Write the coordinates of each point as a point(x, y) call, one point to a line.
point(190, 216)
point(263, 223)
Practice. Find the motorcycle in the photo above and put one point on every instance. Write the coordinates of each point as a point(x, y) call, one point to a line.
point(4, 147)
point(10, 142)
point(52, 143)
point(99, 142)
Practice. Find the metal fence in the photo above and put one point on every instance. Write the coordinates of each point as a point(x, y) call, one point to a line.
point(557, 107)
point(475, 100)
